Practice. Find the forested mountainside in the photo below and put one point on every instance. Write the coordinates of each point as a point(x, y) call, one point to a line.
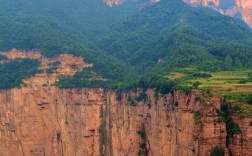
point(152, 39)
point(55, 27)
point(85, 19)
point(180, 36)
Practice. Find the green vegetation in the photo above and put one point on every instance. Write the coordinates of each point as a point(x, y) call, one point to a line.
point(59, 16)
point(143, 144)
point(197, 116)
point(219, 84)
point(250, 99)
point(231, 126)
point(217, 151)
point(197, 98)
point(221, 115)
point(2, 57)
point(133, 103)
point(119, 96)
point(85, 78)
point(161, 40)
point(53, 67)
point(183, 88)
point(64, 27)
point(13, 72)
point(142, 97)
point(151, 81)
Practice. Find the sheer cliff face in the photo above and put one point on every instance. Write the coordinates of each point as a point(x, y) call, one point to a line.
point(52, 121)
point(237, 8)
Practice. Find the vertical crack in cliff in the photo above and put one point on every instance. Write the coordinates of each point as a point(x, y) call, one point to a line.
point(21, 148)
point(12, 105)
point(144, 144)
point(59, 138)
point(105, 129)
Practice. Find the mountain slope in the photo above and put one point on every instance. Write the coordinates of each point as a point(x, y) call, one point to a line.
point(181, 36)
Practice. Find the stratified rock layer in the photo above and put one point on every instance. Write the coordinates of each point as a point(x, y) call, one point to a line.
point(83, 122)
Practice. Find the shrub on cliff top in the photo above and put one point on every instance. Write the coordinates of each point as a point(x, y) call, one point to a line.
point(186, 89)
point(142, 97)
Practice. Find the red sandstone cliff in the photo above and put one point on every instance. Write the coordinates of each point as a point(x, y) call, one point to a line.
point(51, 121)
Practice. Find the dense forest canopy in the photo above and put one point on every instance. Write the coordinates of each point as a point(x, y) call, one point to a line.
point(180, 36)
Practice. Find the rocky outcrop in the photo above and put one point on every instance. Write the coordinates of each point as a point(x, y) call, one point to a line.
point(51, 121)
point(113, 2)
point(138, 2)
point(51, 68)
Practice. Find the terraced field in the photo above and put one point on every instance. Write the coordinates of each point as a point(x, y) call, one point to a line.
point(236, 85)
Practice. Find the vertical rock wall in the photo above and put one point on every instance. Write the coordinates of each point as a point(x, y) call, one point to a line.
point(49, 121)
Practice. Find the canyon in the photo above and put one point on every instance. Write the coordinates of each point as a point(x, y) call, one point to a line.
point(48, 121)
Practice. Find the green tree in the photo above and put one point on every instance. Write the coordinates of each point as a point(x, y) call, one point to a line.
point(238, 63)
point(228, 61)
